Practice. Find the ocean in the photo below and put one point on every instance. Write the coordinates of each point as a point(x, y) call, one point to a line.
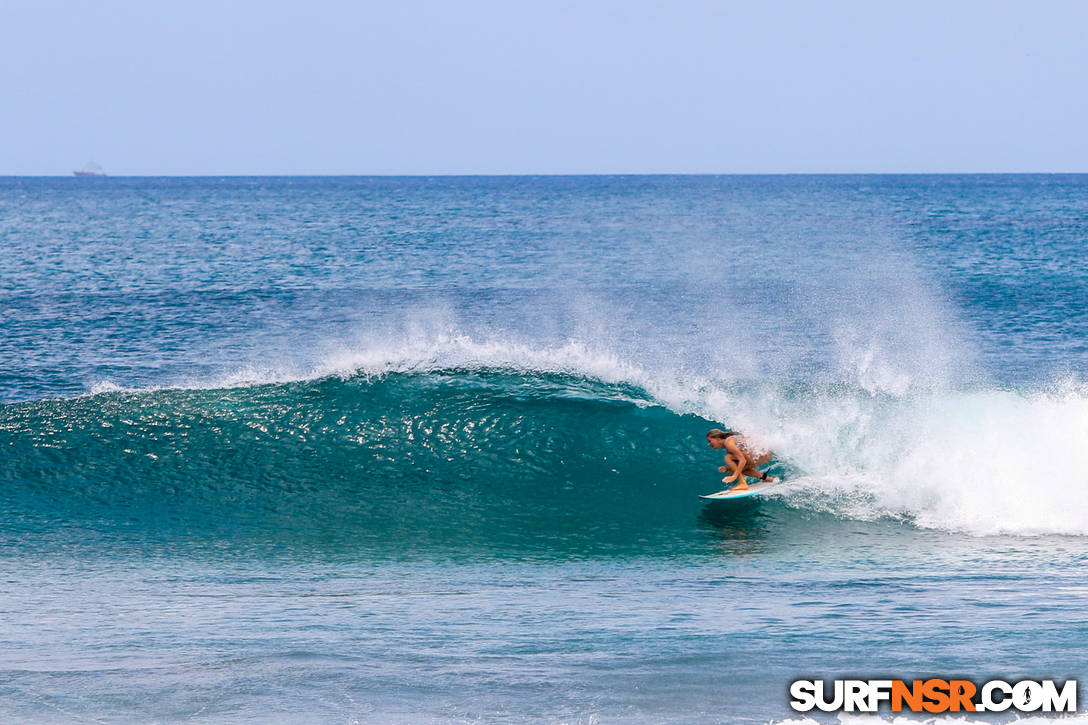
point(430, 450)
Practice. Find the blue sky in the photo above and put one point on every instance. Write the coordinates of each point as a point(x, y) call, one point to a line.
point(409, 87)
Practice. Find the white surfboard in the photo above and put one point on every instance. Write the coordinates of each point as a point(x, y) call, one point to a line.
point(754, 489)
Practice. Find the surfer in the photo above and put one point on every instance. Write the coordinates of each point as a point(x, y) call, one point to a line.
point(740, 457)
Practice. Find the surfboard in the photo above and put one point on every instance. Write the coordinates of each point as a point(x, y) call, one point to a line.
point(754, 489)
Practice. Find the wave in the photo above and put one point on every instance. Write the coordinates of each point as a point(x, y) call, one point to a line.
point(512, 441)
point(462, 458)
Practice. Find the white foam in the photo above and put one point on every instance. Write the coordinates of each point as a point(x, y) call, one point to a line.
point(979, 461)
point(107, 386)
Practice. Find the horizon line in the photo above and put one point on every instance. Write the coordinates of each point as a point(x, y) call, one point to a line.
point(70, 175)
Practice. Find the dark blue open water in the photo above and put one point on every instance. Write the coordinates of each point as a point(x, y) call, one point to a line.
point(430, 449)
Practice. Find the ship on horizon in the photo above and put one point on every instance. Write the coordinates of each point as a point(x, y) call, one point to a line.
point(90, 169)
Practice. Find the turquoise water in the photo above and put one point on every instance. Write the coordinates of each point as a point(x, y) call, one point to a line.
point(430, 449)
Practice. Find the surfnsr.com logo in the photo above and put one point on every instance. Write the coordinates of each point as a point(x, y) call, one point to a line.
point(934, 696)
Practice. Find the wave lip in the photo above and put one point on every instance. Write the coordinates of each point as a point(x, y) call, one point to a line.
point(415, 355)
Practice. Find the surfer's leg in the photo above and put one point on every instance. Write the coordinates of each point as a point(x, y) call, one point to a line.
point(752, 468)
point(756, 473)
point(731, 464)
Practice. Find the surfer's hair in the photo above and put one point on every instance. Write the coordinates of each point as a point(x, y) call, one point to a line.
point(719, 433)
